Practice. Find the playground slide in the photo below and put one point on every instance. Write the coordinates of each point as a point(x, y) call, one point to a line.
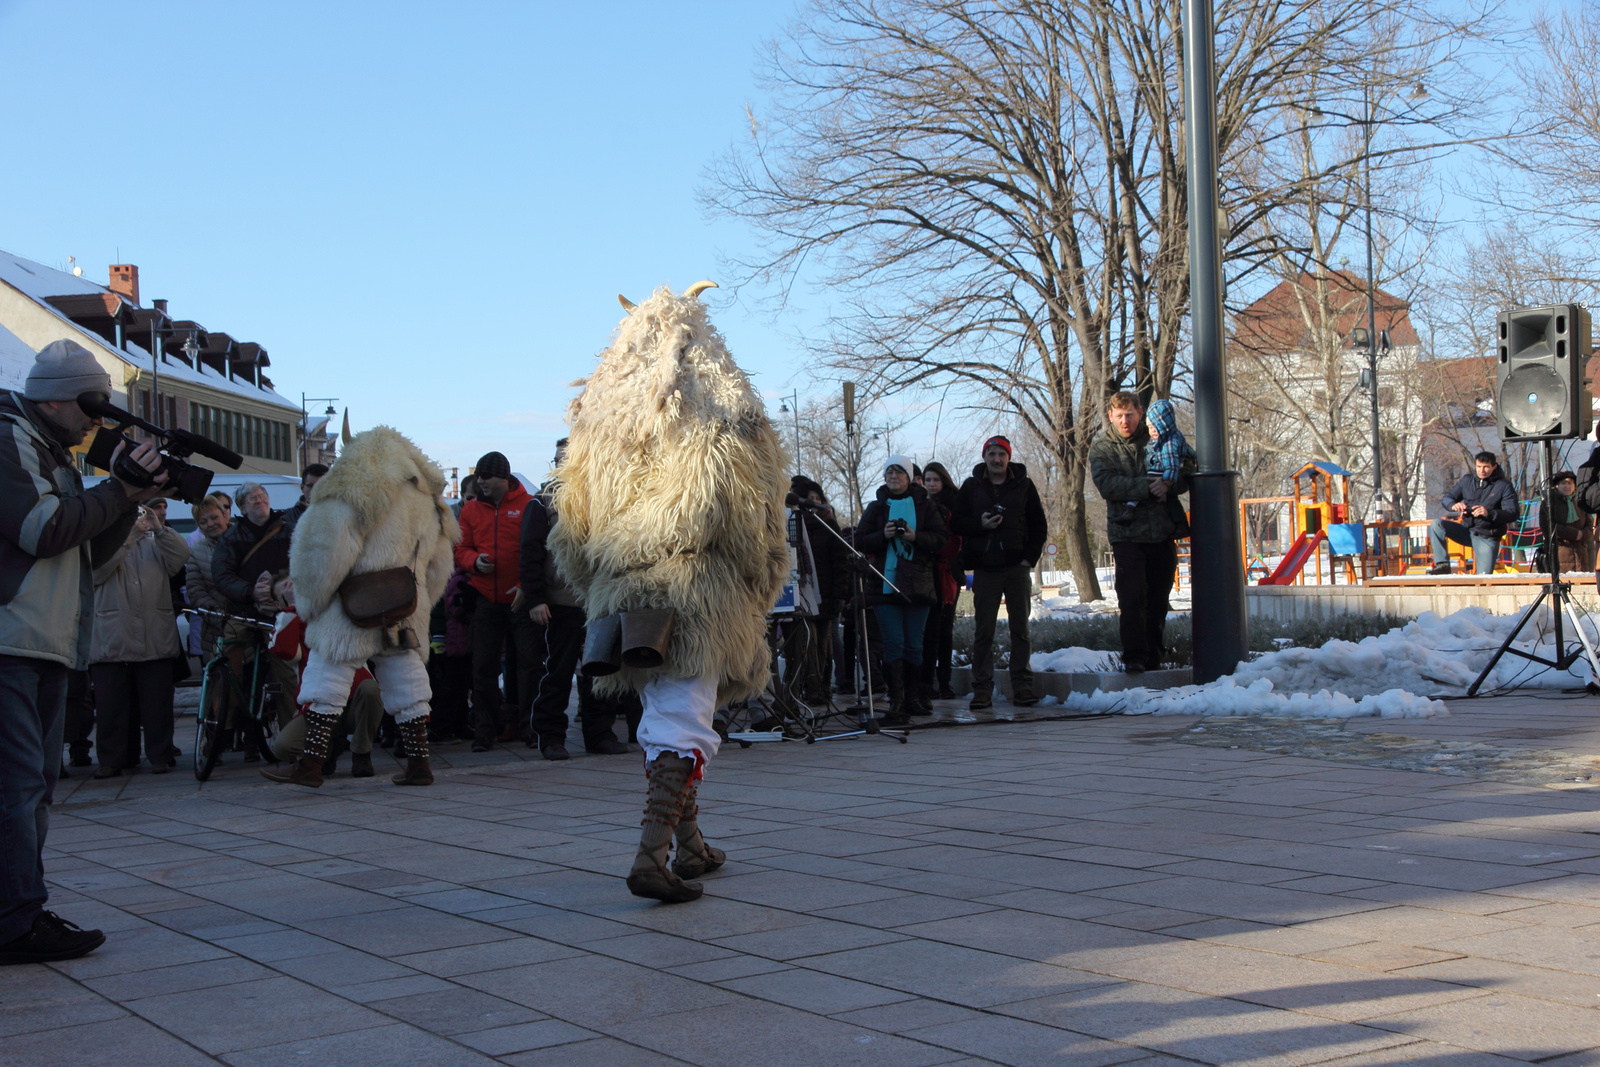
point(1305, 546)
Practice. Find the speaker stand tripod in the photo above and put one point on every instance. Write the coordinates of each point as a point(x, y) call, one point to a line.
point(1560, 596)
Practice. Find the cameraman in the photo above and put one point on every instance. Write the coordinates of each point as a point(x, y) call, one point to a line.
point(52, 533)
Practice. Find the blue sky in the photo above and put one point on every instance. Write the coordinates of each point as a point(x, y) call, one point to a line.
point(425, 210)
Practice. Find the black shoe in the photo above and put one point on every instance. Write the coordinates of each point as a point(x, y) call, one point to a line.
point(81, 759)
point(104, 771)
point(945, 692)
point(479, 745)
point(52, 938)
point(1023, 698)
point(1132, 666)
point(1439, 568)
point(606, 746)
point(981, 702)
point(554, 751)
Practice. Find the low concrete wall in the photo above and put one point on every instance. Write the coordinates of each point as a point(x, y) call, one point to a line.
point(1287, 603)
point(1058, 685)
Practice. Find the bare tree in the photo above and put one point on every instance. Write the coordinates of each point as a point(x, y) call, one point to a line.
point(993, 191)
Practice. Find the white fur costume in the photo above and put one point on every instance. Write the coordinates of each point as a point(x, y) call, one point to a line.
point(671, 496)
point(380, 506)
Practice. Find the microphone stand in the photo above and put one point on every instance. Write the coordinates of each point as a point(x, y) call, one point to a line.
point(867, 714)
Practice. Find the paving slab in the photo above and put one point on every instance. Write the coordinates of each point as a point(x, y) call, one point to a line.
point(1029, 891)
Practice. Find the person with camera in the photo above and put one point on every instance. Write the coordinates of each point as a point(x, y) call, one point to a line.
point(903, 530)
point(1003, 529)
point(812, 658)
point(135, 641)
point(52, 534)
point(1484, 504)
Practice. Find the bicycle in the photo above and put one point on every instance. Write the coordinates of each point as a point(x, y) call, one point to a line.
point(218, 682)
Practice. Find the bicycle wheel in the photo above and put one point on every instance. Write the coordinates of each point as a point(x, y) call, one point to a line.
point(210, 737)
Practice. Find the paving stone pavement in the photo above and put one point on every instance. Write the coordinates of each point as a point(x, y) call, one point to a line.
point(1077, 892)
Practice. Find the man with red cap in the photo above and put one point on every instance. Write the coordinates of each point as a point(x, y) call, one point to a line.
point(1003, 528)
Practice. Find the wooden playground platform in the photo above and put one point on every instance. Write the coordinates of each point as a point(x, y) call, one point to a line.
point(1409, 595)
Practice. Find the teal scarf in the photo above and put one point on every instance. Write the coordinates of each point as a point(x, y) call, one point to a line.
point(904, 508)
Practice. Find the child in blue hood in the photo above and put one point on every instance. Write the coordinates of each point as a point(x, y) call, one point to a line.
point(1166, 453)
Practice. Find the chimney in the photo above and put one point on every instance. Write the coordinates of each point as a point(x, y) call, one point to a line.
point(125, 281)
point(159, 305)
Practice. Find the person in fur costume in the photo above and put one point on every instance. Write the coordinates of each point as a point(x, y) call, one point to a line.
point(380, 507)
point(671, 499)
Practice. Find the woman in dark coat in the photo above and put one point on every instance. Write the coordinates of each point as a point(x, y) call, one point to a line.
point(939, 637)
point(903, 530)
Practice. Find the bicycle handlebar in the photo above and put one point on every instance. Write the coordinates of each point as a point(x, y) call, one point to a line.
point(240, 619)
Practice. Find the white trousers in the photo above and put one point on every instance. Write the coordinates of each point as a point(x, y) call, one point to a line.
point(677, 718)
point(402, 681)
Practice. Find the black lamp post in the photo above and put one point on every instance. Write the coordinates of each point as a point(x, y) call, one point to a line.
point(305, 422)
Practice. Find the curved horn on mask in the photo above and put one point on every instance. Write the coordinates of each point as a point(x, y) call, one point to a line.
point(627, 305)
point(697, 288)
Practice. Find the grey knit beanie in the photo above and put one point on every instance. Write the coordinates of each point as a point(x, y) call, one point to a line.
point(62, 370)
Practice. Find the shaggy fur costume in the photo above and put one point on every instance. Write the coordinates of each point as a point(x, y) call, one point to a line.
point(381, 505)
point(671, 496)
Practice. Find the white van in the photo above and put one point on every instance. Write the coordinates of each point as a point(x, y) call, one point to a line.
point(282, 489)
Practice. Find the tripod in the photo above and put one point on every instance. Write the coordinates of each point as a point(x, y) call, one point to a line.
point(866, 714)
point(1560, 594)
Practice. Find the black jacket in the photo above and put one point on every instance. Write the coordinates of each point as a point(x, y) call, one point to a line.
point(1565, 533)
point(832, 561)
point(1494, 493)
point(1021, 534)
point(541, 582)
point(913, 577)
point(1588, 492)
point(236, 580)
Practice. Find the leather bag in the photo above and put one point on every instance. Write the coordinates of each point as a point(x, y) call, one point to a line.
point(379, 599)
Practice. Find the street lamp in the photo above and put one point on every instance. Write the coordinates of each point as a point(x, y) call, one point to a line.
point(785, 409)
point(305, 422)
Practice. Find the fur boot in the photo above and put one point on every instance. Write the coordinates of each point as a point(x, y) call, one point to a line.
point(415, 734)
point(307, 770)
point(695, 857)
point(650, 877)
point(894, 674)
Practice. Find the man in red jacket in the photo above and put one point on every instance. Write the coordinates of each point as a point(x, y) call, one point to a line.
point(491, 529)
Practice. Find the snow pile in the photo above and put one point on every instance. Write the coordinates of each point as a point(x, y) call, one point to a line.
point(1076, 659)
point(1067, 607)
point(1226, 696)
point(1381, 675)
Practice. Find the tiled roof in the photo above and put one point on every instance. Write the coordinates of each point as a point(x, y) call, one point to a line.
point(1276, 322)
point(57, 290)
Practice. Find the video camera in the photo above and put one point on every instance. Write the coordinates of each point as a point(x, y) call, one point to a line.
point(191, 482)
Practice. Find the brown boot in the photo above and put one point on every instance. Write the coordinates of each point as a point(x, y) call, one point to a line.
point(651, 877)
point(307, 770)
point(695, 857)
point(414, 733)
